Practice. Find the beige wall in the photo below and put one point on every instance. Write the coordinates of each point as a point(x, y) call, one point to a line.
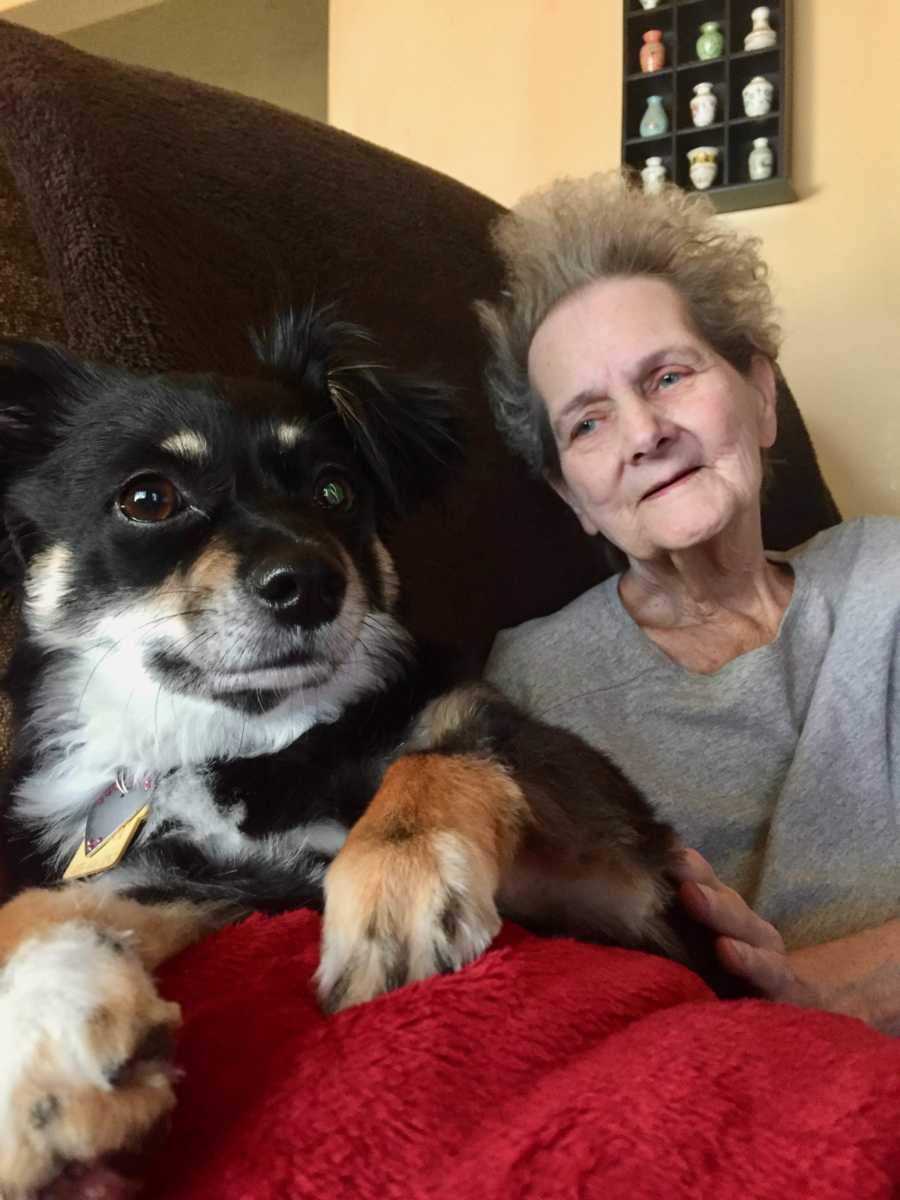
point(501, 94)
point(505, 94)
point(275, 50)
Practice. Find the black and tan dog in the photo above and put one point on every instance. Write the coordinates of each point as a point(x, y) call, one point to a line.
point(218, 711)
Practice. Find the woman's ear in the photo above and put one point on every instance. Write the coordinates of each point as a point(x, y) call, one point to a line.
point(762, 377)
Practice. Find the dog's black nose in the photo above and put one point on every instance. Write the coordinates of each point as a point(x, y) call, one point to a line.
point(303, 591)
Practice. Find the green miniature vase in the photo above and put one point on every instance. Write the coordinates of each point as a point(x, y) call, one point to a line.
point(710, 43)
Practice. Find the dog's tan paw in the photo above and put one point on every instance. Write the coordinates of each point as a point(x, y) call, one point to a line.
point(85, 1053)
point(401, 910)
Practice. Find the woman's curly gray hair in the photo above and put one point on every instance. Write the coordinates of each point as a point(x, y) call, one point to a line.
point(578, 231)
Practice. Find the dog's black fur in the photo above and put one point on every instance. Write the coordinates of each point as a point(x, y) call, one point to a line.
point(208, 606)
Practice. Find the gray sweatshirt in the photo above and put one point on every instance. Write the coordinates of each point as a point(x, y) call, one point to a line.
point(783, 767)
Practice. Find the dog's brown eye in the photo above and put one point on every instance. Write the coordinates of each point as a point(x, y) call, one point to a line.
point(334, 493)
point(150, 499)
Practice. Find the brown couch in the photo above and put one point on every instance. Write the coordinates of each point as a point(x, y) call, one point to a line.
point(149, 221)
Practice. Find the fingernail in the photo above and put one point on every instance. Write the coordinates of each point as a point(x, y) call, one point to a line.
point(706, 894)
point(739, 949)
point(700, 901)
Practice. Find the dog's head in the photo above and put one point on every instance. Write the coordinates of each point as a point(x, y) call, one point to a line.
point(220, 537)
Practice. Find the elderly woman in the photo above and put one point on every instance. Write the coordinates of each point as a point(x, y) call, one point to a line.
point(751, 694)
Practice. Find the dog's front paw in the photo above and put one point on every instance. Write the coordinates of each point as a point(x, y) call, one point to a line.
point(85, 1054)
point(401, 909)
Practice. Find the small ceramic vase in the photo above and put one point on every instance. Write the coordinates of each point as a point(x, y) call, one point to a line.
point(654, 122)
point(761, 160)
point(703, 104)
point(762, 35)
point(757, 96)
point(648, 4)
point(653, 176)
point(704, 167)
point(653, 51)
point(710, 43)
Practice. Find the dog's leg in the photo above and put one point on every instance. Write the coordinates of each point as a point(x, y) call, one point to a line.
point(496, 812)
point(411, 892)
point(85, 1039)
point(449, 839)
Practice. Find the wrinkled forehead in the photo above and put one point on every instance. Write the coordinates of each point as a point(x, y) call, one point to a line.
point(606, 325)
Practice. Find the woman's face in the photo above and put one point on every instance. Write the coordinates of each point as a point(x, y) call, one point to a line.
point(659, 438)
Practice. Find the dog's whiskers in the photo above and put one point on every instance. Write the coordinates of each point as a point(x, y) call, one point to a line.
point(101, 641)
point(139, 598)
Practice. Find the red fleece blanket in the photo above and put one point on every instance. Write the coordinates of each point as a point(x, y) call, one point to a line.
point(546, 1069)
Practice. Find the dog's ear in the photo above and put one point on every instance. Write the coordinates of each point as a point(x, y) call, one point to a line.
point(407, 429)
point(38, 383)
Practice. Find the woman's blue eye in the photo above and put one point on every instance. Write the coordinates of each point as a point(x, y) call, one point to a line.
point(585, 426)
point(669, 378)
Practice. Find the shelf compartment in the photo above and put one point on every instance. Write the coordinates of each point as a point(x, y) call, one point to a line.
point(689, 140)
point(741, 136)
point(637, 95)
point(688, 20)
point(684, 94)
point(634, 39)
point(742, 23)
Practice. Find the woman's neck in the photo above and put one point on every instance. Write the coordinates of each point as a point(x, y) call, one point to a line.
point(691, 587)
point(707, 605)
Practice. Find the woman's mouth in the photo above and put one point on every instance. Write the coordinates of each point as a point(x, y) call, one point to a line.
point(669, 484)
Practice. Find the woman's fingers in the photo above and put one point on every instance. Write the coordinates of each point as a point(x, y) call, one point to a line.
point(723, 910)
point(770, 972)
point(767, 970)
point(690, 864)
point(746, 945)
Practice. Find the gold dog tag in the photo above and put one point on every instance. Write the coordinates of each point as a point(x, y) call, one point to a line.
point(110, 851)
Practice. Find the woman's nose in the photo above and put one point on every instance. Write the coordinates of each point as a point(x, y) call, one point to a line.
point(644, 431)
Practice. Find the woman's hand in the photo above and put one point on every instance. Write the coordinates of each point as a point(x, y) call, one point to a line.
point(857, 975)
point(747, 945)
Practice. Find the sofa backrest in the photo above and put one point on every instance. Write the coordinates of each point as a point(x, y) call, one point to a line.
point(172, 216)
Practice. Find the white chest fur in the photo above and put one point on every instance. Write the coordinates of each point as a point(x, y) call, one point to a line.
point(93, 727)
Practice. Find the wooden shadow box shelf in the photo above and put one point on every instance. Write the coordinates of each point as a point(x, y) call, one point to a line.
point(733, 131)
